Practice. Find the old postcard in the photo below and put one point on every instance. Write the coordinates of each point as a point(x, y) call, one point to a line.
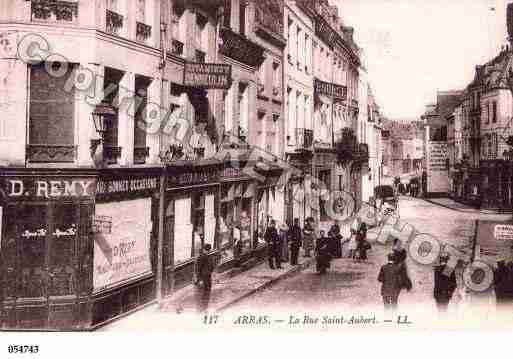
point(228, 166)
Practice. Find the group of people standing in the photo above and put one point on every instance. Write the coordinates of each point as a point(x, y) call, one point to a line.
point(284, 244)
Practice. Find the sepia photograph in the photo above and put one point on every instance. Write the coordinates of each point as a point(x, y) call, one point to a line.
point(240, 166)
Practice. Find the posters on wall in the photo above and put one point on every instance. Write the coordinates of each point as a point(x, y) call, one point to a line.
point(438, 175)
point(123, 253)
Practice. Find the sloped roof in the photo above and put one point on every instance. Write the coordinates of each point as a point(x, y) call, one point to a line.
point(495, 73)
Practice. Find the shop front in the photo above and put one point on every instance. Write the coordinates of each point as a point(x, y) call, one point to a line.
point(270, 200)
point(46, 252)
point(237, 221)
point(124, 234)
point(191, 209)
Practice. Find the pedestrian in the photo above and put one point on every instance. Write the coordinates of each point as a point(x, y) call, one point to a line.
point(203, 277)
point(335, 240)
point(352, 245)
point(237, 246)
point(445, 284)
point(308, 237)
point(322, 253)
point(362, 245)
point(295, 239)
point(399, 252)
point(502, 283)
point(284, 230)
point(273, 245)
point(389, 277)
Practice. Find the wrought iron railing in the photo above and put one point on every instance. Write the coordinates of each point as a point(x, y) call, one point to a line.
point(177, 47)
point(57, 10)
point(114, 22)
point(143, 32)
point(140, 154)
point(43, 153)
point(304, 139)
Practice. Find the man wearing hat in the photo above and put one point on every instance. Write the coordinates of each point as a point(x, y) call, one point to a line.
point(445, 284)
point(204, 268)
point(390, 278)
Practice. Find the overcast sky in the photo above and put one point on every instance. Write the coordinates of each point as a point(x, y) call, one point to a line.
point(416, 47)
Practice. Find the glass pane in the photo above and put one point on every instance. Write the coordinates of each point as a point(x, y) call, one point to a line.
point(33, 234)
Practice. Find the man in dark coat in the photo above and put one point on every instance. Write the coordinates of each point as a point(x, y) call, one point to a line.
point(204, 268)
point(335, 240)
point(503, 282)
point(390, 278)
point(273, 245)
point(295, 240)
point(323, 254)
point(445, 285)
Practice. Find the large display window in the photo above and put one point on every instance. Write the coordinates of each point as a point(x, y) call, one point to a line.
point(194, 216)
point(122, 247)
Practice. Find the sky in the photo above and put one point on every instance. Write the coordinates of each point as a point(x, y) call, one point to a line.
point(414, 48)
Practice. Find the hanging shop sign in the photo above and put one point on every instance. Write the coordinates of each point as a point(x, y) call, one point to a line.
point(193, 176)
point(209, 76)
point(330, 89)
point(503, 232)
point(47, 188)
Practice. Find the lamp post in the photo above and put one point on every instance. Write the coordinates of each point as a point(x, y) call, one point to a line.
point(102, 113)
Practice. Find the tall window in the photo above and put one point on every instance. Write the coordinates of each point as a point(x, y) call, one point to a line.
point(494, 111)
point(227, 13)
point(51, 114)
point(487, 113)
point(112, 5)
point(299, 50)
point(141, 100)
point(276, 79)
point(242, 17)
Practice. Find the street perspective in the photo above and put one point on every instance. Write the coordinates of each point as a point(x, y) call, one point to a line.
point(241, 165)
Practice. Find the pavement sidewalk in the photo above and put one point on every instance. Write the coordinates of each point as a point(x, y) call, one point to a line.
point(461, 207)
point(228, 289)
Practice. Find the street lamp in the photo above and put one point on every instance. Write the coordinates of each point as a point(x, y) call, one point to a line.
point(101, 114)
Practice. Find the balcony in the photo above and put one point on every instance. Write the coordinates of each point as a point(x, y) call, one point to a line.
point(304, 139)
point(240, 48)
point(140, 154)
point(51, 153)
point(200, 56)
point(111, 154)
point(143, 32)
point(114, 22)
point(54, 10)
point(177, 47)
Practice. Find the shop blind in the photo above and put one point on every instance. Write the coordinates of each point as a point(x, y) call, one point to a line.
point(210, 219)
point(183, 229)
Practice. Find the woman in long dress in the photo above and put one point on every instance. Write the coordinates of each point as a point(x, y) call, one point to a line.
point(284, 230)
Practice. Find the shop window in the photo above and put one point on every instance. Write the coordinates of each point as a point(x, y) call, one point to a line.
point(62, 250)
point(51, 114)
point(198, 221)
point(183, 229)
point(123, 253)
point(34, 234)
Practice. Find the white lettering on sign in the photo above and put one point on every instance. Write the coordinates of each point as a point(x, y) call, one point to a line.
point(16, 188)
point(36, 234)
point(51, 189)
point(503, 232)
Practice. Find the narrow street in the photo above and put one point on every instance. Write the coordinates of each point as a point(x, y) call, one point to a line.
point(353, 286)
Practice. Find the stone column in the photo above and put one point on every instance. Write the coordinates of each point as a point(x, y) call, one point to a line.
point(153, 127)
point(13, 109)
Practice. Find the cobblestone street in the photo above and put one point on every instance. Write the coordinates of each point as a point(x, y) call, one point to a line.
point(353, 286)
